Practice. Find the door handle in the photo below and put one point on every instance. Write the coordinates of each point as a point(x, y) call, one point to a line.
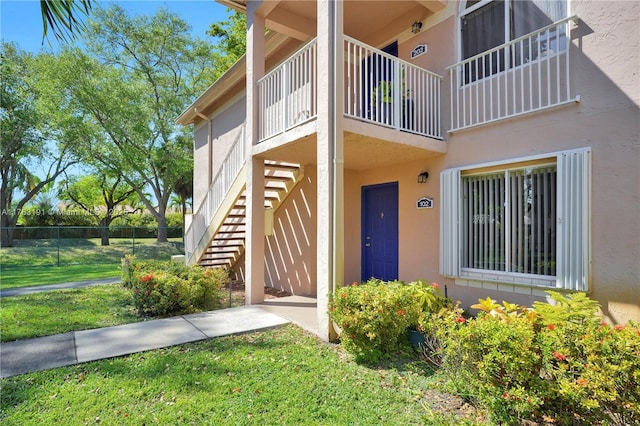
point(368, 242)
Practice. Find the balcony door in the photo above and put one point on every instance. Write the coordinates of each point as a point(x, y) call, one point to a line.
point(377, 85)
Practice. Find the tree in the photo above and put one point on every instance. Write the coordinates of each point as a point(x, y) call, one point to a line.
point(139, 74)
point(27, 140)
point(184, 192)
point(104, 197)
point(232, 40)
point(62, 16)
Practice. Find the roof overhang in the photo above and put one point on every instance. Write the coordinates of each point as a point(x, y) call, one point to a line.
point(227, 82)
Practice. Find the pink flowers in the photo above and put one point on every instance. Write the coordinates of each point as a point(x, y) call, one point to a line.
point(435, 285)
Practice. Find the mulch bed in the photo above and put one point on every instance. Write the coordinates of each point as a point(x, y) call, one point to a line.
point(237, 293)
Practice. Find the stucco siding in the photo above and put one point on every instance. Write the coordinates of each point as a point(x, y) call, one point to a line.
point(290, 252)
point(200, 162)
point(604, 64)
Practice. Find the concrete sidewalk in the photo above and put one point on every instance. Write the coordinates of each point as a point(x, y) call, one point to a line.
point(21, 291)
point(23, 356)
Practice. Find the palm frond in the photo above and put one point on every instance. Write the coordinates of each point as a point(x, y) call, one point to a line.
point(62, 17)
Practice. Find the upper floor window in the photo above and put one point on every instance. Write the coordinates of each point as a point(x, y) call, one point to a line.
point(487, 24)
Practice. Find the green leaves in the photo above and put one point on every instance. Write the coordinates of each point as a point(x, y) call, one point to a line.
point(575, 307)
point(63, 17)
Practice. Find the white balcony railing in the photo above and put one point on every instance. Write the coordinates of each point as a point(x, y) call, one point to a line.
point(379, 88)
point(218, 190)
point(528, 74)
point(389, 91)
point(287, 94)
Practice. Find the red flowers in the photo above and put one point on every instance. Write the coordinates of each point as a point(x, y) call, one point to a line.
point(355, 284)
point(551, 327)
point(343, 295)
point(435, 285)
point(401, 312)
point(147, 278)
point(460, 320)
point(559, 356)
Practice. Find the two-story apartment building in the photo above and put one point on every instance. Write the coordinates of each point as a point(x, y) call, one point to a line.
point(489, 145)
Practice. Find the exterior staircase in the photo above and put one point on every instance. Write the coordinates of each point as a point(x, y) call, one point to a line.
point(215, 236)
point(227, 243)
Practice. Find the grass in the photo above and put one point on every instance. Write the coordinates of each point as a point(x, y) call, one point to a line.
point(26, 277)
point(40, 262)
point(71, 251)
point(282, 376)
point(61, 311)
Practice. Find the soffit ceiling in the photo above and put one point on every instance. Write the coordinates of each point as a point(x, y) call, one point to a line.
point(370, 21)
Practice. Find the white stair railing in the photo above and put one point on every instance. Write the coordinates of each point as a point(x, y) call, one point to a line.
point(216, 194)
point(528, 74)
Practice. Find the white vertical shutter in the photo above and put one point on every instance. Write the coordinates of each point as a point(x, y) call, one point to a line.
point(574, 227)
point(449, 212)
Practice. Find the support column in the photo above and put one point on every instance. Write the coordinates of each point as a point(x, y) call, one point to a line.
point(254, 241)
point(330, 177)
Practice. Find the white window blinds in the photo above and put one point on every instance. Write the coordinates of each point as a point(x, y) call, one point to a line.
point(527, 220)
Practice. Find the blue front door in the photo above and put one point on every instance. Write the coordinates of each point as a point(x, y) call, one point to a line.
point(380, 232)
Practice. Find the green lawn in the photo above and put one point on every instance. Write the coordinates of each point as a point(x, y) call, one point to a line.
point(86, 251)
point(60, 311)
point(277, 377)
point(26, 277)
point(41, 262)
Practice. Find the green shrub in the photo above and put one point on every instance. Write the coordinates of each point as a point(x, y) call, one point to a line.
point(555, 360)
point(494, 360)
point(436, 328)
point(374, 317)
point(594, 367)
point(171, 288)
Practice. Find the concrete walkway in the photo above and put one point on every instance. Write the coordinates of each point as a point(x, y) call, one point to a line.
point(21, 291)
point(42, 353)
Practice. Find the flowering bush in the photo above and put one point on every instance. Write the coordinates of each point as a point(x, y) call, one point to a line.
point(594, 367)
point(493, 359)
point(170, 288)
point(374, 316)
point(556, 360)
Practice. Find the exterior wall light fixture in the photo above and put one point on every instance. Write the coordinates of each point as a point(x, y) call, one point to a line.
point(422, 177)
point(416, 27)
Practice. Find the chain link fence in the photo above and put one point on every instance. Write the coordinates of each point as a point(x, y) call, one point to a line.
point(48, 246)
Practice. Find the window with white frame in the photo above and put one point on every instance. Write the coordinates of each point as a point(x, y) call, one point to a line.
point(487, 24)
point(526, 221)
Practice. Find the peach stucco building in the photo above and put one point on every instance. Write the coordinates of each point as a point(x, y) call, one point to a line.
point(491, 146)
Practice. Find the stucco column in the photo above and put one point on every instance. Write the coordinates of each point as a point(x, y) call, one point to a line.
point(254, 241)
point(330, 177)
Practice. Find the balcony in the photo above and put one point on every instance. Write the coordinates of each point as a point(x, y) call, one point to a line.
point(529, 74)
point(379, 88)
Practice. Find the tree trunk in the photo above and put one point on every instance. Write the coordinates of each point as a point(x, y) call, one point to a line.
point(104, 231)
point(7, 226)
point(162, 229)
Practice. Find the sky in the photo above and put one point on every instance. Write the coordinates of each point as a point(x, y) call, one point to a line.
point(21, 23)
point(21, 20)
